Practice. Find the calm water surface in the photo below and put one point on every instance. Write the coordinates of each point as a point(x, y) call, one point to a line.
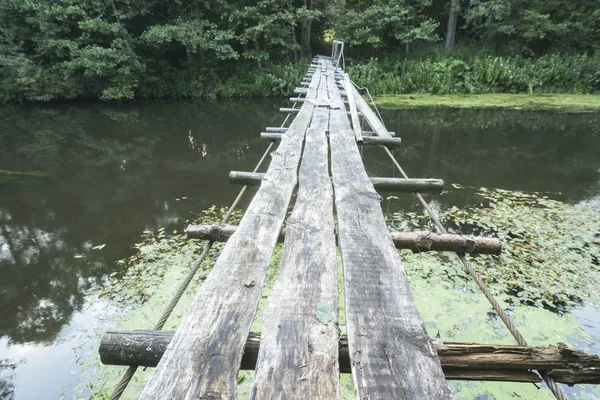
point(78, 184)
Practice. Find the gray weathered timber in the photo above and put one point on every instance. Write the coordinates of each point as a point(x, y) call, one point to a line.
point(379, 141)
point(400, 185)
point(353, 112)
point(272, 136)
point(408, 185)
point(368, 114)
point(299, 90)
point(275, 129)
point(371, 133)
point(392, 356)
point(418, 242)
point(298, 99)
point(289, 110)
point(204, 357)
point(463, 361)
point(431, 241)
point(298, 355)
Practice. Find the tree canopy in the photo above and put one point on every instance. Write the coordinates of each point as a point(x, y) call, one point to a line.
point(116, 49)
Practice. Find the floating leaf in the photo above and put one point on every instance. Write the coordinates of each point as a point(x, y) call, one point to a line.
point(324, 314)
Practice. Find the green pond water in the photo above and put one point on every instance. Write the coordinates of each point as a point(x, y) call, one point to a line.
point(93, 200)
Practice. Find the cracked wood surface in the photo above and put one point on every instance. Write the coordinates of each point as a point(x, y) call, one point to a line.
point(391, 354)
point(298, 355)
point(203, 359)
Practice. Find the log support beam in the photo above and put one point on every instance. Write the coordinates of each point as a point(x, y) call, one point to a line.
point(461, 361)
point(400, 185)
point(415, 241)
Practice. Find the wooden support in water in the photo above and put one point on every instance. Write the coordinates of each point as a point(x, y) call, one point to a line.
point(199, 363)
point(276, 129)
point(461, 361)
point(289, 110)
point(371, 133)
point(380, 141)
point(416, 241)
point(400, 185)
point(298, 99)
point(300, 90)
point(272, 136)
point(391, 354)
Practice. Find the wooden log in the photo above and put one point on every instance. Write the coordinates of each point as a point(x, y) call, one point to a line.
point(391, 354)
point(300, 90)
point(416, 241)
point(400, 185)
point(298, 99)
point(203, 359)
point(273, 136)
point(371, 133)
point(298, 355)
point(379, 141)
point(289, 110)
point(276, 129)
point(408, 185)
point(462, 361)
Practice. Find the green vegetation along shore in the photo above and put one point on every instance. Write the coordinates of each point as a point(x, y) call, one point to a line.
point(556, 102)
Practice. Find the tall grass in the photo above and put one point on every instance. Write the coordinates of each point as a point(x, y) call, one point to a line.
point(480, 74)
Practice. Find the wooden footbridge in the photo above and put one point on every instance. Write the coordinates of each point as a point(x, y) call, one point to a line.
point(300, 352)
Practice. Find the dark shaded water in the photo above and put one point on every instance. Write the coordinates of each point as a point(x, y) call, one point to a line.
point(95, 175)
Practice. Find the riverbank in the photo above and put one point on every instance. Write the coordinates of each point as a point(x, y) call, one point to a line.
point(553, 102)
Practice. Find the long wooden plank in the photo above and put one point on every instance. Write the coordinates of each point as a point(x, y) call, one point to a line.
point(353, 111)
point(368, 114)
point(204, 357)
point(392, 356)
point(298, 355)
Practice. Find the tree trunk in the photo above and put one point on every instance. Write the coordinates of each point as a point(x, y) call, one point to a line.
point(452, 18)
point(295, 41)
point(257, 50)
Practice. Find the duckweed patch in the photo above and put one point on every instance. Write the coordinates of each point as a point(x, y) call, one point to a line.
point(554, 102)
point(550, 255)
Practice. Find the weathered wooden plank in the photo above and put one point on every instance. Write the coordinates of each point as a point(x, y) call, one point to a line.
point(353, 112)
point(275, 129)
point(298, 355)
point(462, 361)
point(392, 357)
point(418, 242)
point(199, 362)
point(368, 114)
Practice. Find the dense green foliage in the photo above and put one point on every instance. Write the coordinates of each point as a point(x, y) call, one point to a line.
point(121, 49)
point(480, 74)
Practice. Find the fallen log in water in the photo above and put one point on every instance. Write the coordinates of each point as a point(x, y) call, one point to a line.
point(415, 241)
point(464, 361)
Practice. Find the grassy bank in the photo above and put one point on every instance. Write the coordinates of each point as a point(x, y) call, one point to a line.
point(556, 102)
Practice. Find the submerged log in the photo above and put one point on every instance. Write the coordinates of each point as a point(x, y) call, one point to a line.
point(401, 185)
point(463, 361)
point(289, 110)
point(415, 241)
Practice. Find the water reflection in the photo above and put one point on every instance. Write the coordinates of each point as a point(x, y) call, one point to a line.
point(88, 176)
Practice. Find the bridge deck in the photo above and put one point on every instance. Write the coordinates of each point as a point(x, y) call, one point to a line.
point(390, 352)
